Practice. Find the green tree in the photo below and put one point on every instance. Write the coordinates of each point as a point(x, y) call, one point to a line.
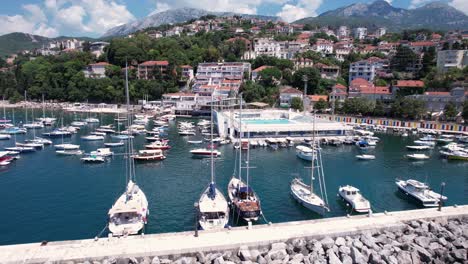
point(321, 105)
point(403, 58)
point(270, 77)
point(380, 82)
point(406, 107)
point(296, 103)
point(379, 109)
point(313, 79)
point(450, 111)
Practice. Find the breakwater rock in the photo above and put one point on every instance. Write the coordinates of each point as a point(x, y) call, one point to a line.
point(439, 240)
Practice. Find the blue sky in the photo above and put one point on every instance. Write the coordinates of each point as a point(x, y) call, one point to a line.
point(93, 17)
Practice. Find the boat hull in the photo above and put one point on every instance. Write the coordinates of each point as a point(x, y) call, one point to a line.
point(318, 207)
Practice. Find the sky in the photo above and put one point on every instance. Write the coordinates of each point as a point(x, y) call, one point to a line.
point(52, 18)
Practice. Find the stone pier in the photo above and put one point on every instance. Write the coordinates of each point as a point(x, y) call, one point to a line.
point(147, 248)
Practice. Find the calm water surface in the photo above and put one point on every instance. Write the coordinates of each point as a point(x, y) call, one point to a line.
point(48, 197)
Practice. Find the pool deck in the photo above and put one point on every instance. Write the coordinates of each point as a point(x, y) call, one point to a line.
point(186, 242)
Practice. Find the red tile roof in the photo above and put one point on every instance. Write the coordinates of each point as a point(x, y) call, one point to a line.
point(315, 98)
point(376, 90)
point(410, 83)
point(155, 63)
point(261, 68)
point(422, 43)
point(186, 67)
point(290, 90)
point(339, 86)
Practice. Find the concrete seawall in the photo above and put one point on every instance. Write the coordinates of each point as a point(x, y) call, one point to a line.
point(185, 243)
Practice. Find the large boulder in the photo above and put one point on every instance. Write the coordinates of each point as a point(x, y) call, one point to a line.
point(460, 255)
point(327, 243)
point(404, 257)
point(357, 257)
point(332, 258)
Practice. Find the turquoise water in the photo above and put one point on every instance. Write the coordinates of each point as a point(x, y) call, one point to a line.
point(267, 121)
point(47, 197)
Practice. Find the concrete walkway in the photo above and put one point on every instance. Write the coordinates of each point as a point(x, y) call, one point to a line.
point(185, 242)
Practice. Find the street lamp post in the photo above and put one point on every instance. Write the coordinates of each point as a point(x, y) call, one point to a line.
point(195, 205)
point(442, 186)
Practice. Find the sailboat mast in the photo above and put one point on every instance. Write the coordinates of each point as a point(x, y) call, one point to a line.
point(131, 175)
point(43, 108)
point(4, 111)
point(212, 144)
point(26, 107)
point(240, 138)
point(313, 159)
point(248, 162)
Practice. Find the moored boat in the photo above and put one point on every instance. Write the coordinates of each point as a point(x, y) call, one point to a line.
point(365, 157)
point(353, 196)
point(417, 156)
point(421, 192)
point(149, 155)
point(419, 147)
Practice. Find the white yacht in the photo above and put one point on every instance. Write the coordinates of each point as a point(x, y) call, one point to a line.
point(365, 157)
point(66, 146)
point(421, 192)
point(103, 152)
point(425, 143)
point(305, 194)
point(128, 215)
point(304, 152)
point(76, 152)
point(213, 209)
point(353, 196)
point(92, 138)
point(417, 156)
point(419, 147)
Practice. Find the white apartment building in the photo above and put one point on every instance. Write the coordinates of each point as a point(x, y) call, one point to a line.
point(342, 32)
point(323, 46)
point(447, 59)
point(360, 33)
point(227, 75)
point(96, 70)
point(278, 49)
point(380, 32)
point(367, 69)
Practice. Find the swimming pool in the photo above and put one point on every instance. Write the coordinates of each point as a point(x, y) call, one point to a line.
point(267, 121)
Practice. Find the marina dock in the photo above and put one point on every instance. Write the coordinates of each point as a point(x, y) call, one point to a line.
point(186, 243)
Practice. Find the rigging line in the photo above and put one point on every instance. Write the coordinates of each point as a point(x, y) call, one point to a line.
point(323, 178)
point(102, 231)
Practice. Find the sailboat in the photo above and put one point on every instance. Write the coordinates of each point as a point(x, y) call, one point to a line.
point(17, 148)
point(243, 199)
point(213, 209)
point(129, 213)
point(47, 121)
point(304, 193)
point(33, 124)
point(64, 146)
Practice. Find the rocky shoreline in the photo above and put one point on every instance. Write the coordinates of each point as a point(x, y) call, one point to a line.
point(436, 241)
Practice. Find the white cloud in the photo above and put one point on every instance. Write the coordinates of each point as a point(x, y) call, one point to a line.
point(67, 17)
point(461, 5)
point(303, 8)
point(389, 1)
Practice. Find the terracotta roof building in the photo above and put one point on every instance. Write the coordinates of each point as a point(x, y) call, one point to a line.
point(149, 69)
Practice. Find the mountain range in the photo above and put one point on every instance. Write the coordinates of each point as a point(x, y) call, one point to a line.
point(172, 16)
point(435, 16)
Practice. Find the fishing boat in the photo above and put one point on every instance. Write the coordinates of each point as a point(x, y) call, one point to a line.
point(213, 209)
point(353, 196)
point(304, 193)
point(66, 146)
point(92, 138)
point(421, 192)
point(149, 155)
point(128, 215)
point(114, 144)
point(76, 152)
point(243, 199)
point(304, 152)
point(93, 159)
point(420, 147)
point(417, 156)
point(365, 157)
point(158, 145)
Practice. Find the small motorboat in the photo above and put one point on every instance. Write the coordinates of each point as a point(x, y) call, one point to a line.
point(149, 155)
point(156, 138)
point(114, 144)
point(91, 120)
point(187, 132)
point(14, 131)
point(97, 133)
point(195, 141)
point(78, 123)
point(92, 138)
point(76, 152)
point(93, 159)
point(425, 143)
point(57, 133)
point(365, 157)
point(32, 145)
point(34, 125)
point(421, 192)
point(21, 149)
point(420, 147)
point(4, 136)
point(122, 137)
point(66, 146)
point(205, 152)
point(353, 196)
point(39, 140)
point(102, 152)
point(304, 152)
point(417, 156)
point(158, 145)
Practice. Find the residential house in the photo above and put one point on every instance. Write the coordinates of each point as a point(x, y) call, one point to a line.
point(313, 99)
point(361, 88)
point(255, 73)
point(225, 75)
point(96, 70)
point(380, 32)
point(436, 101)
point(183, 103)
point(343, 32)
point(187, 72)
point(360, 33)
point(300, 63)
point(97, 48)
point(448, 59)
point(148, 70)
point(407, 87)
point(338, 93)
point(420, 46)
point(368, 69)
point(248, 43)
point(323, 46)
point(286, 95)
point(330, 72)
